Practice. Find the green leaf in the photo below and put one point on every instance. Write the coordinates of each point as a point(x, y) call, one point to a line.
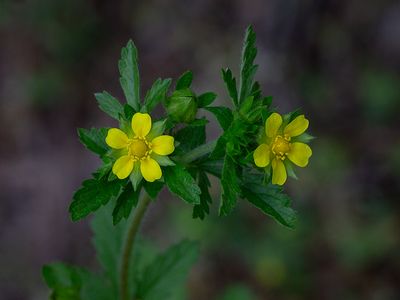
point(63, 280)
point(153, 188)
point(247, 69)
point(129, 71)
point(206, 99)
point(203, 209)
point(238, 292)
point(230, 186)
point(182, 184)
point(271, 201)
point(108, 240)
point(168, 272)
point(230, 83)
point(95, 287)
point(125, 201)
point(109, 105)
point(220, 148)
point(189, 138)
point(156, 94)
point(93, 194)
point(94, 139)
point(184, 81)
point(223, 114)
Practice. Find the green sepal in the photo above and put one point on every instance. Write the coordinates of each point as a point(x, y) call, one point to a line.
point(289, 169)
point(303, 138)
point(184, 81)
point(157, 129)
point(206, 99)
point(136, 176)
point(163, 160)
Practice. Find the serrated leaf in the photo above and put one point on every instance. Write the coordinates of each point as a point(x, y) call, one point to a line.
point(230, 186)
point(63, 280)
point(247, 68)
point(230, 83)
point(94, 139)
point(189, 138)
point(95, 287)
point(203, 209)
point(206, 99)
point(271, 201)
point(184, 81)
point(129, 71)
point(108, 240)
point(125, 202)
point(167, 273)
point(182, 184)
point(238, 292)
point(153, 188)
point(93, 194)
point(223, 114)
point(156, 93)
point(109, 104)
point(220, 148)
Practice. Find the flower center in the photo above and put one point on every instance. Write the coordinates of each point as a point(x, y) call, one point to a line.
point(138, 148)
point(281, 146)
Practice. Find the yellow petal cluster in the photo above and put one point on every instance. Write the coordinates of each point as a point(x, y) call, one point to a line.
point(139, 149)
point(279, 146)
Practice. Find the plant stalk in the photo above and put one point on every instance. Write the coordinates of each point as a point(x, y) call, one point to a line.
point(198, 152)
point(129, 242)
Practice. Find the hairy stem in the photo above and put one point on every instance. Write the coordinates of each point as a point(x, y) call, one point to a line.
point(198, 152)
point(129, 241)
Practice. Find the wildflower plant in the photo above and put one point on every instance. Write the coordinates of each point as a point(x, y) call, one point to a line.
point(251, 158)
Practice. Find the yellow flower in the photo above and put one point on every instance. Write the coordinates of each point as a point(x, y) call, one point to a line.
point(281, 144)
point(142, 150)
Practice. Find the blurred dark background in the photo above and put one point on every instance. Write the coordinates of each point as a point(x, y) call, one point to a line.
point(338, 60)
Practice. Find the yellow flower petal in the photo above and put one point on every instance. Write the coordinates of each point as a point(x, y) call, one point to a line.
point(116, 138)
point(261, 156)
point(163, 145)
point(278, 172)
point(299, 154)
point(296, 127)
point(141, 124)
point(272, 124)
point(123, 166)
point(150, 169)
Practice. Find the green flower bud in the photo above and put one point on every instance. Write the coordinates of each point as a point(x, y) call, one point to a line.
point(182, 106)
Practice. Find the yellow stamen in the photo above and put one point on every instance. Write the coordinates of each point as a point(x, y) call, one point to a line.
point(281, 147)
point(138, 148)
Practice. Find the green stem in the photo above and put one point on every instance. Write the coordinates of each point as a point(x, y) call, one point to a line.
point(198, 152)
point(129, 241)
